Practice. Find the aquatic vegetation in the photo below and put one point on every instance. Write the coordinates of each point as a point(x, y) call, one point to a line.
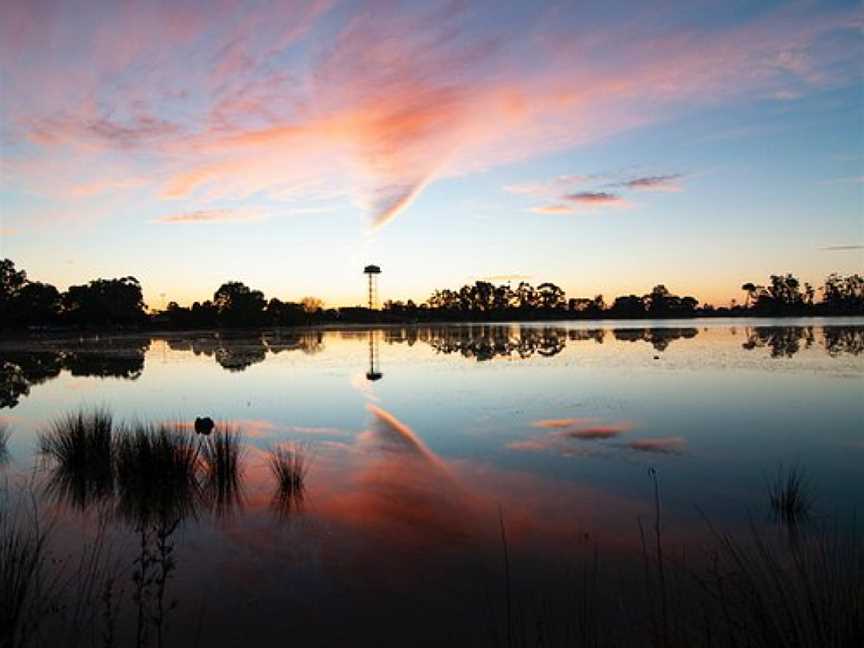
point(44, 595)
point(80, 449)
point(775, 594)
point(751, 589)
point(23, 561)
point(157, 488)
point(790, 498)
point(222, 455)
point(157, 473)
point(289, 464)
point(5, 433)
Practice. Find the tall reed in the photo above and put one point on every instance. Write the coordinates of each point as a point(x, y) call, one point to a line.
point(222, 458)
point(289, 464)
point(79, 448)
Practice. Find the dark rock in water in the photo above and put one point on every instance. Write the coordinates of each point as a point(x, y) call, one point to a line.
point(204, 425)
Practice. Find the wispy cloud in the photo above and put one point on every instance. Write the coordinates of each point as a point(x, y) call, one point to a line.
point(573, 202)
point(654, 183)
point(232, 105)
point(557, 208)
point(555, 185)
point(842, 248)
point(211, 216)
point(595, 198)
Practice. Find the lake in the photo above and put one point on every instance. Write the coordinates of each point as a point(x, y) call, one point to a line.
point(453, 471)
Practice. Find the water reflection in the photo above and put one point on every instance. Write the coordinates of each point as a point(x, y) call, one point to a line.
point(238, 351)
point(22, 368)
point(233, 353)
point(401, 489)
point(374, 372)
point(488, 342)
point(146, 474)
point(784, 342)
point(841, 339)
point(110, 358)
point(659, 338)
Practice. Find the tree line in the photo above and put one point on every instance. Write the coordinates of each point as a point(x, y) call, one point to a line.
point(119, 303)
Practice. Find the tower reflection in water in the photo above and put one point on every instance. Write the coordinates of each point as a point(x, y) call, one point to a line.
point(374, 372)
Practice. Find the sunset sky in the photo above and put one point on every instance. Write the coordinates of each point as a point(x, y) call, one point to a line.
point(602, 146)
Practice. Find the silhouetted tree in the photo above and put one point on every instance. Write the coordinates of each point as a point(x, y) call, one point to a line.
point(750, 289)
point(239, 305)
point(549, 296)
point(281, 313)
point(843, 295)
point(24, 302)
point(312, 305)
point(36, 303)
point(11, 281)
point(105, 302)
point(628, 306)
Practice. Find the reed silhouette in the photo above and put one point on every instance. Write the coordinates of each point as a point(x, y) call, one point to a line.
point(23, 573)
point(754, 590)
point(289, 464)
point(5, 433)
point(80, 448)
point(157, 473)
point(222, 458)
point(790, 499)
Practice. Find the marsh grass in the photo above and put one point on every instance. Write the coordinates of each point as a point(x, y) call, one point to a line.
point(23, 573)
point(752, 589)
point(222, 459)
point(790, 497)
point(768, 593)
point(157, 488)
point(80, 449)
point(5, 433)
point(44, 595)
point(289, 465)
point(157, 473)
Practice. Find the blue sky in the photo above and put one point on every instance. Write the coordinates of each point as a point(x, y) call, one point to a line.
point(605, 147)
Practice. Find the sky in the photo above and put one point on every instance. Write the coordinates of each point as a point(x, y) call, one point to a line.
point(603, 146)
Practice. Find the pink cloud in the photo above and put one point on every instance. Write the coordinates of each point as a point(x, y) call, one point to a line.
point(571, 203)
point(595, 198)
point(211, 216)
point(385, 102)
point(557, 208)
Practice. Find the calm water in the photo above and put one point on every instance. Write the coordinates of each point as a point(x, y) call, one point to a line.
point(397, 538)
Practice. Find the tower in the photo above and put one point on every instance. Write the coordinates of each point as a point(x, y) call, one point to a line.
point(372, 271)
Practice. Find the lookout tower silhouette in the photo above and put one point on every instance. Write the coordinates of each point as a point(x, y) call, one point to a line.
point(372, 271)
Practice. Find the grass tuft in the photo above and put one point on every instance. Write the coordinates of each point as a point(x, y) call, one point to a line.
point(289, 464)
point(80, 447)
point(157, 476)
point(23, 567)
point(222, 457)
point(5, 433)
point(789, 495)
